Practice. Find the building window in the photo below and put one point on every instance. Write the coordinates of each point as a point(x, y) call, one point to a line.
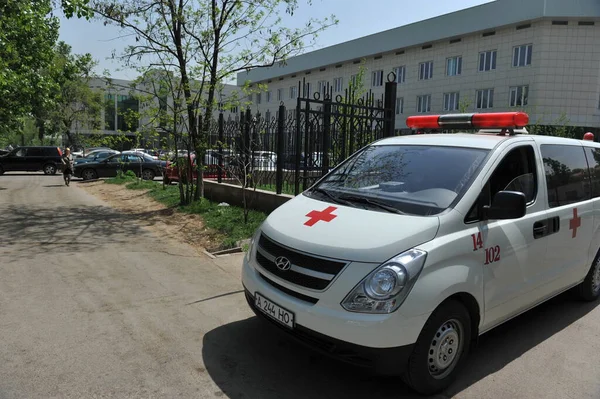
point(426, 70)
point(485, 98)
point(519, 96)
point(451, 101)
point(400, 74)
point(338, 84)
point(233, 110)
point(258, 98)
point(250, 97)
point(487, 60)
point(268, 96)
point(280, 95)
point(354, 80)
point(377, 79)
point(424, 103)
point(293, 92)
point(323, 87)
point(399, 105)
point(454, 66)
point(307, 90)
point(522, 55)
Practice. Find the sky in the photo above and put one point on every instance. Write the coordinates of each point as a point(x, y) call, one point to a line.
point(357, 18)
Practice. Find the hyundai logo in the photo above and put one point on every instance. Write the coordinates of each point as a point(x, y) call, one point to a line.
point(283, 263)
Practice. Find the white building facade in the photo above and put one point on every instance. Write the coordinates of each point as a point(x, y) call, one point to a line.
point(540, 56)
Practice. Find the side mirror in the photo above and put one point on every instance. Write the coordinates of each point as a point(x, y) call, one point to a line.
point(506, 205)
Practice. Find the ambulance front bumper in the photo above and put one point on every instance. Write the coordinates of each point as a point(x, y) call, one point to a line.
point(379, 342)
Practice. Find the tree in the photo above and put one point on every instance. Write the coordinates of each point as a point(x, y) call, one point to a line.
point(207, 42)
point(27, 35)
point(71, 102)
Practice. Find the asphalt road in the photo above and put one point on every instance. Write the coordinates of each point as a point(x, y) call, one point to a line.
point(94, 305)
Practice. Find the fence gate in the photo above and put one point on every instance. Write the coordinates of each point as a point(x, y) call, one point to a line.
point(328, 128)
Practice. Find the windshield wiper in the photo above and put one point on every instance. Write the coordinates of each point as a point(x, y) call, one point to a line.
point(331, 196)
point(364, 200)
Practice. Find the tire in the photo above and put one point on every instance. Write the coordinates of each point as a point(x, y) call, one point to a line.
point(89, 174)
point(447, 337)
point(148, 174)
point(49, 169)
point(589, 289)
point(1, 170)
point(166, 181)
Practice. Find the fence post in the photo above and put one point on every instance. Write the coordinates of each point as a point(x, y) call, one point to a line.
point(389, 105)
point(280, 149)
point(246, 145)
point(326, 134)
point(221, 138)
point(298, 145)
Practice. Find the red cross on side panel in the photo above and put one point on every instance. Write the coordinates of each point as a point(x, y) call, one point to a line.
point(575, 223)
point(317, 216)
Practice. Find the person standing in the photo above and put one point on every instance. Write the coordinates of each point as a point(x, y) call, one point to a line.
point(67, 160)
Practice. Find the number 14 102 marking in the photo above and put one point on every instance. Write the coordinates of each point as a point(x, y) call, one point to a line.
point(492, 254)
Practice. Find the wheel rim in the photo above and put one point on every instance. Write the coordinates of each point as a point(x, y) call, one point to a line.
point(88, 174)
point(49, 169)
point(596, 277)
point(445, 349)
point(147, 175)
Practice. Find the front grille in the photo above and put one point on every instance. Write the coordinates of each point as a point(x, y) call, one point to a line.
point(306, 270)
point(295, 294)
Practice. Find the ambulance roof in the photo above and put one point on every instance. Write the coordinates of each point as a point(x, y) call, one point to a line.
point(486, 141)
point(474, 140)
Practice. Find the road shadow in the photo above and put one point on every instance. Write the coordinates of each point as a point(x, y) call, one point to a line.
point(253, 359)
point(55, 185)
point(40, 230)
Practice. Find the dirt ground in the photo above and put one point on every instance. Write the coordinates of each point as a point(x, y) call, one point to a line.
point(157, 217)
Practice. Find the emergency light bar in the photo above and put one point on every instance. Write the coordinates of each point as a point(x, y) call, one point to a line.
point(496, 120)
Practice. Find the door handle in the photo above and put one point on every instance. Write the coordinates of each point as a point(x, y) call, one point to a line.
point(540, 229)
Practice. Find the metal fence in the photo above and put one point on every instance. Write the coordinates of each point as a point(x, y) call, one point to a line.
point(289, 151)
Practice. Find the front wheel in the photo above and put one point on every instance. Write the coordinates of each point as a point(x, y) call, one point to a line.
point(89, 174)
point(49, 169)
point(589, 289)
point(1, 170)
point(440, 350)
point(148, 174)
point(166, 181)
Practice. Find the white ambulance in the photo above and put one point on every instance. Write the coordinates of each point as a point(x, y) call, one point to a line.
point(399, 258)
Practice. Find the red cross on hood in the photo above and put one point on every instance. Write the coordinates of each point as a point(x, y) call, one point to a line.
point(346, 232)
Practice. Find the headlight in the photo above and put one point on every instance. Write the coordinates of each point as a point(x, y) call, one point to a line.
point(384, 290)
point(252, 245)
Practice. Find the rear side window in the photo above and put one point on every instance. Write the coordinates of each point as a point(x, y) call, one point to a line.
point(567, 174)
point(50, 152)
point(34, 152)
point(593, 158)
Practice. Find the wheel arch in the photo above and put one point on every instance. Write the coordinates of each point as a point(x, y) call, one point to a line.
point(472, 306)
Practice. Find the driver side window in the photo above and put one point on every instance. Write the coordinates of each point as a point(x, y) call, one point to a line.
point(516, 172)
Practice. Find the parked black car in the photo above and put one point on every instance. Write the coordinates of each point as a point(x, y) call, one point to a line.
point(110, 166)
point(32, 159)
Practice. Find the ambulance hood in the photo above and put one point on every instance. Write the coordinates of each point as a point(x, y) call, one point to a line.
point(349, 233)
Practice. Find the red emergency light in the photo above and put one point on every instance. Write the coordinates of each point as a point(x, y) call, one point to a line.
point(495, 120)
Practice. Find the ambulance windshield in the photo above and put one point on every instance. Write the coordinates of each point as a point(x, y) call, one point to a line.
point(411, 179)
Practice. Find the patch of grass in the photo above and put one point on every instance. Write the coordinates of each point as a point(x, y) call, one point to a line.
point(143, 185)
point(122, 178)
point(227, 220)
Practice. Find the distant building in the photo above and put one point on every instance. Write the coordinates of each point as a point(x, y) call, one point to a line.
point(541, 56)
point(121, 97)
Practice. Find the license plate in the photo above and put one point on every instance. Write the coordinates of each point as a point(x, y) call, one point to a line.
point(274, 311)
